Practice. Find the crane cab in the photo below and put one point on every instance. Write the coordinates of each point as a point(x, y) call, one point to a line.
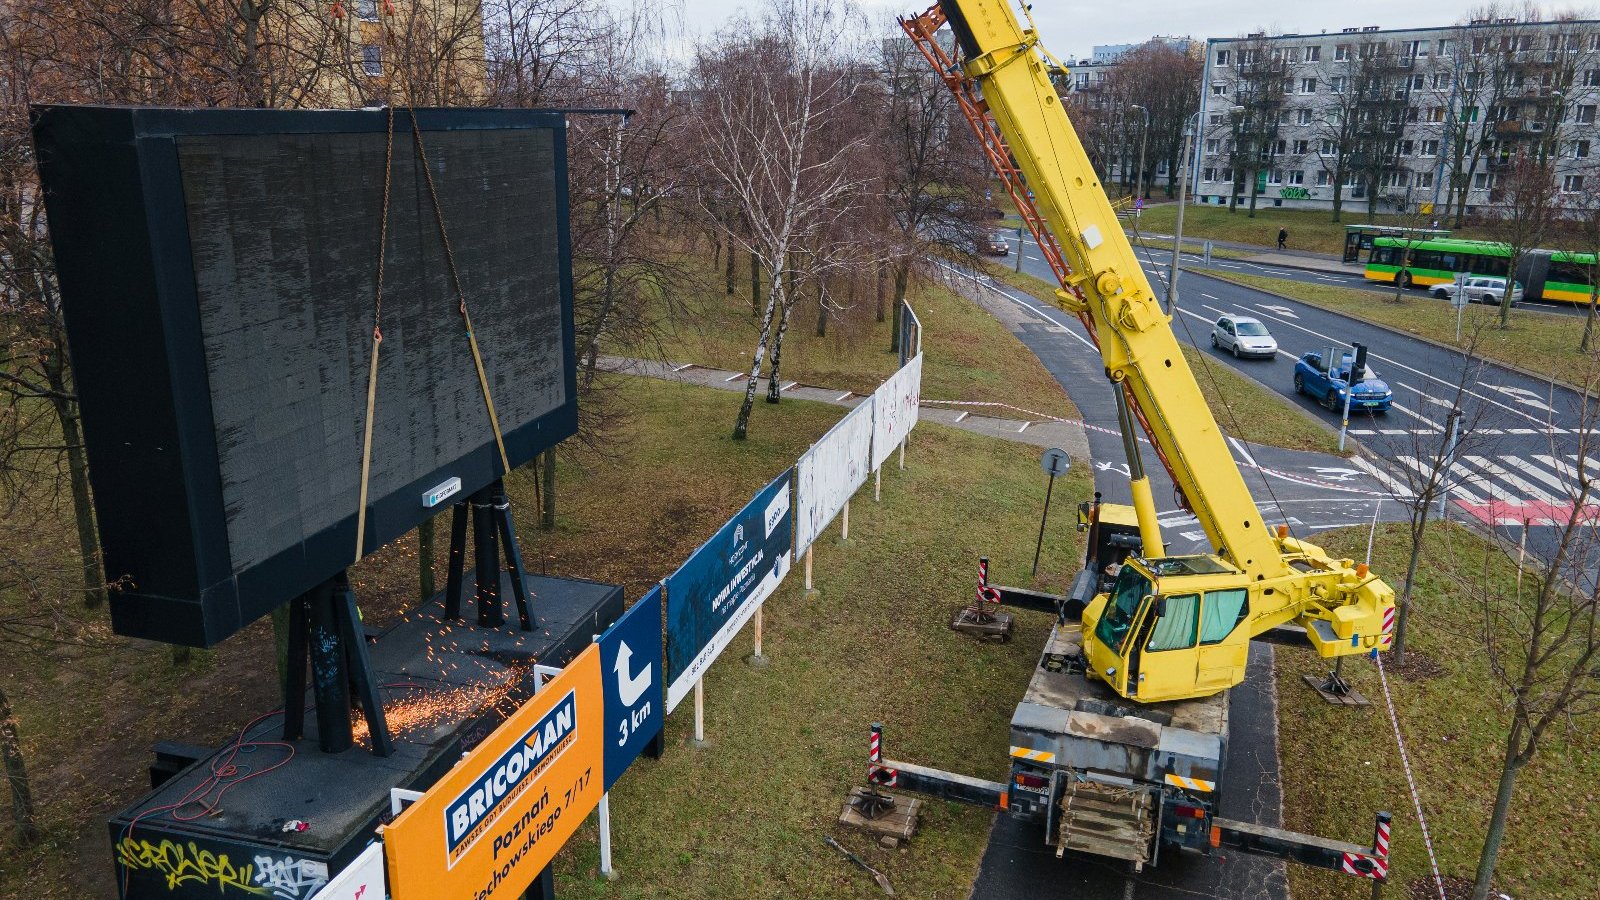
point(1170, 628)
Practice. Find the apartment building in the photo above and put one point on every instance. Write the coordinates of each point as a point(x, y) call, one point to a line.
point(1421, 120)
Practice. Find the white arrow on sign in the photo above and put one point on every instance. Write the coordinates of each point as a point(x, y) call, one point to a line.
point(1284, 311)
point(630, 687)
point(1522, 395)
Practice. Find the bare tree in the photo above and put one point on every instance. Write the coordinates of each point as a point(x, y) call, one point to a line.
point(1541, 635)
point(1428, 471)
point(763, 95)
point(1524, 208)
point(1578, 233)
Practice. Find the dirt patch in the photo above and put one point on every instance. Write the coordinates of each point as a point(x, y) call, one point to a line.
point(1418, 666)
point(1454, 889)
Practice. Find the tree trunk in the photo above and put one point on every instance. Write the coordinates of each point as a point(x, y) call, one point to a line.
point(902, 276)
point(741, 425)
point(1506, 298)
point(1338, 195)
point(1403, 610)
point(822, 315)
point(755, 286)
point(774, 382)
point(883, 288)
point(1588, 320)
point(94, 583)
point(1255, 191)
point(1497, 820)
point(16, 775)
point(727, 277)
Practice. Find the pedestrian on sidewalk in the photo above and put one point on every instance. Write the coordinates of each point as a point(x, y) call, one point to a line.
point(1283, 238)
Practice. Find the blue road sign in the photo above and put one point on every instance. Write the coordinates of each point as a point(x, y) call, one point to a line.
point(630, 667)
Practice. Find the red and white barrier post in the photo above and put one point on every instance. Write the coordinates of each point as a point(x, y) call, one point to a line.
point(877, 773)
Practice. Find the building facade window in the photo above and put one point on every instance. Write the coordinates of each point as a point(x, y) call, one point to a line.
point(1296, 176)
point(1571, 184)
point(1337, 84)
point(1424, 179)
point(1442, 81)
point(1313, 54)
point(1213, 145)
point(1430, 148)
point(1222, 57)
point(1214, 119)
point(1584, 115)
point(1341, 52)
point(1219, 89)
point(1435, 114)
point(1301, 148)
point(1303, 117)
point(1580, 149)
point(1276, 176)
point(372, 59)
point(1327, 148)
point(1480, 181)
point(1405, 148)
point(367, 10)
point(1208, 174)
point(1322, 178)
point(1308, 85)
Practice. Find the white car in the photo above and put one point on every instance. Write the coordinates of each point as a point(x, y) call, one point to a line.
point(1479, 289)
point(1243, 336)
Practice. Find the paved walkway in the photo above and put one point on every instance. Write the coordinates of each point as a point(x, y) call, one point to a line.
point(1295, 259)
point(1069, 436)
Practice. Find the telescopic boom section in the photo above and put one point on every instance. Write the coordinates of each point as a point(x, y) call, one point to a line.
point(1136, 340)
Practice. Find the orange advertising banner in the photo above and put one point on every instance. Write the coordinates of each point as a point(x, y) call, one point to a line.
point(490, 825)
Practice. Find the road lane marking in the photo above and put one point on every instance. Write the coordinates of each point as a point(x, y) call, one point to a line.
point(1529, 491)
point(1534, 471)
point(1395, 487)
point(1455, 489)
point(1418, 416)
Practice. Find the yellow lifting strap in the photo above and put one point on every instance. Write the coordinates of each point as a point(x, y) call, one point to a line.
point(461, 297)
point(377, 342)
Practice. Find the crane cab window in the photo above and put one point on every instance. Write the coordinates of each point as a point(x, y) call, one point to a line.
point(1175, 630)
point(1129, 592)
point(1221, 614)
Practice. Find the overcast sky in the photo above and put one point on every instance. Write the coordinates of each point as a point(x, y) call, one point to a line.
point(1070, 29)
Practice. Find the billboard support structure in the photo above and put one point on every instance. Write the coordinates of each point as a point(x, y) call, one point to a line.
point(492, 532)
point(324, 630)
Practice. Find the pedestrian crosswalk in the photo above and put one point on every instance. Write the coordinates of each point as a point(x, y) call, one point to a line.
point(1531, 489)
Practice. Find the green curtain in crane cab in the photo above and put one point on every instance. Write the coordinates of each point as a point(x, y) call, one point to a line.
point(1175, 630)
point(1224, 610)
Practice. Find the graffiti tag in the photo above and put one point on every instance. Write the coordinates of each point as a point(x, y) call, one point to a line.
point(186, 864)
point(290, 879)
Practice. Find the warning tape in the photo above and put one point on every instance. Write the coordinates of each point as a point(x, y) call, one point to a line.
point(1405, 761)
point(1250, 463)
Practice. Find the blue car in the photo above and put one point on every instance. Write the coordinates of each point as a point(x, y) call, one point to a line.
point(1312, 378)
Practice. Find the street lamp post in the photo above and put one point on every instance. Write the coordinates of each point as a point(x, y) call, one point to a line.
point(1144, 140)
point(1189, 129)
point(1183, 201)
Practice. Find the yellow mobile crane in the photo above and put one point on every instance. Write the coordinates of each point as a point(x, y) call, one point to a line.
point(1169, 633)
point(1255, 580)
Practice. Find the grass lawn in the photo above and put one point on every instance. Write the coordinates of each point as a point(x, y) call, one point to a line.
point(1340, 764)
point(1309, 229)
point(968, 355)
point(1539, 341)
point(746, 817)
point(1268, 418)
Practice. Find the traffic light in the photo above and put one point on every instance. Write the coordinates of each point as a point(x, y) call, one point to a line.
point(1358, 368)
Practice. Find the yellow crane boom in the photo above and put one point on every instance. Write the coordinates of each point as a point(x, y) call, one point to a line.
point(1171, 627)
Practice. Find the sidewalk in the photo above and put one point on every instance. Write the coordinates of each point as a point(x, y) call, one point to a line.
point(1293, 259)
point(1068, 436)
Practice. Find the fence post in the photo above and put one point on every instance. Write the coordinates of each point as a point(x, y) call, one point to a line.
point(700, 712)
point(808, 568)
point(844, 535)
point(605, 837)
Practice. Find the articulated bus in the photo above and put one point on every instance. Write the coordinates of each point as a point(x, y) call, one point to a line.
point(1544, 274)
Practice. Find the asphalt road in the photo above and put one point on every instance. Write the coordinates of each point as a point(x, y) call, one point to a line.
point(1516, 462)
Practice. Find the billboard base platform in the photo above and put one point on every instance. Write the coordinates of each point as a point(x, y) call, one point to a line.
point(263, 817)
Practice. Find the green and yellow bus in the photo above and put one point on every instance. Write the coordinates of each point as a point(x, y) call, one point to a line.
point(1550, 275)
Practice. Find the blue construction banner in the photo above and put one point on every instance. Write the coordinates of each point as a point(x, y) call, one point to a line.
point(720, 587)
point(630, 668)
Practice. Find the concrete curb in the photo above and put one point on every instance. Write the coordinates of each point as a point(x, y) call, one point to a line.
point(1512, 367)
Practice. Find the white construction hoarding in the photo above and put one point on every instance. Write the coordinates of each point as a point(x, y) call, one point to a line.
point(894, 408)
point(831, 472)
